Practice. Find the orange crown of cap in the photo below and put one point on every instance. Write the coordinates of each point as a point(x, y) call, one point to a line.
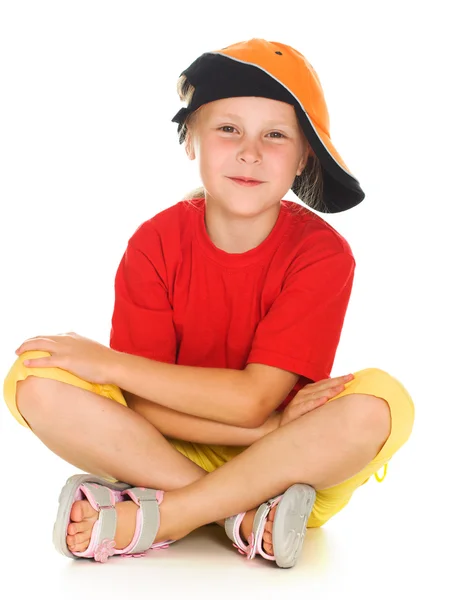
point(294, 72)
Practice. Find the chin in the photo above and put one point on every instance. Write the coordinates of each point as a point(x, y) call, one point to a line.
point(245, 202)
point(243, 208)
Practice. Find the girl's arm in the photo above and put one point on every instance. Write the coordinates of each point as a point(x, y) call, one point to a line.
point(177, 425)
point(224, 395)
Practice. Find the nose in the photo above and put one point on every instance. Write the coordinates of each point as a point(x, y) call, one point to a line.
point(249, 152)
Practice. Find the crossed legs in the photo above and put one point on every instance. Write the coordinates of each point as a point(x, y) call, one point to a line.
point(322, 448)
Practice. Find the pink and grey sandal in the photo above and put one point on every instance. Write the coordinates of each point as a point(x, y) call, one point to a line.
point(289, 526)
point(102, 495)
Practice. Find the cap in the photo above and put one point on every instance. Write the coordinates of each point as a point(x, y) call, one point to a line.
point(273, 70)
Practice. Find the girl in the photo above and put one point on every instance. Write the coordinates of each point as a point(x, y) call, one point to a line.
point(229, 307)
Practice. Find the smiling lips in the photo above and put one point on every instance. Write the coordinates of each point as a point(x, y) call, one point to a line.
point(248, 181)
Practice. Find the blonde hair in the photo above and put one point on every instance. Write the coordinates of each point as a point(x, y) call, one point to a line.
point(308, 187)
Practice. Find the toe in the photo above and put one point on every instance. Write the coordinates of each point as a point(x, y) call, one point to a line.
point(79, 531)
point(81, 510)
point(79, 527)
point(81, 547)
point(79, 539)
point(267, 535)
point(268, 549)
point(267, 541)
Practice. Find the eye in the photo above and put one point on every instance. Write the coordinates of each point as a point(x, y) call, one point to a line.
point(277, 133)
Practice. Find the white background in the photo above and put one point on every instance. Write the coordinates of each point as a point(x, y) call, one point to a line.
point(88, 152)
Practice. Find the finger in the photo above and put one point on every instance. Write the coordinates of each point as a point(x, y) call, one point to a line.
point(315, 394)
point(39, 337)
point(331, 381)
point(29, 341)
point(330, 389)
point(305, 407)
point(45, 361)
point(334, 381)
point(341, 379)
point(312, 404)
point(38, 343)
point(333, 390)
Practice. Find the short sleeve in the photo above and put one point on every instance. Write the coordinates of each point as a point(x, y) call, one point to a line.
point(301, 331)
point(142, 322)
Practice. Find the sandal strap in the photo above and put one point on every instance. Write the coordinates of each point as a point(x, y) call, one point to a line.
point(259, 524)
point(103, 500)
point(232, 529)
point(233, 524)
point(147, 519)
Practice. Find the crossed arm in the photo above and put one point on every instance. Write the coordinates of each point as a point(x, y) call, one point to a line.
point(220, 406)
point(178, 425)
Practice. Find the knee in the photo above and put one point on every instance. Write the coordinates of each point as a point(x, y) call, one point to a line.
point(35, 397)
point(369, 415)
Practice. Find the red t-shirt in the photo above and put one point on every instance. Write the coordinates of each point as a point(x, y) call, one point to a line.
point(180, 299)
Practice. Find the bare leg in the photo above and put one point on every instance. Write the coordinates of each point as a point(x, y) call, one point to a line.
point(322, 448)
point(100, 436)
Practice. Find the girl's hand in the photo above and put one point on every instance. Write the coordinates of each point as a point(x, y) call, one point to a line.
point(81, 356)
point(312, 396)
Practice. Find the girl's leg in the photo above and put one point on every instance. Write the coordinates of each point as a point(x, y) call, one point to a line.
point(322, 448)
point(101, 436)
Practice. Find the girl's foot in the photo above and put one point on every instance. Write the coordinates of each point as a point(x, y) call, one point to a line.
point(83, 517)
point(247, 525)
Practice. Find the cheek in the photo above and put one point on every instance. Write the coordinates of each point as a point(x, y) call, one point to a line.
point(282, 161)
point(214, 158)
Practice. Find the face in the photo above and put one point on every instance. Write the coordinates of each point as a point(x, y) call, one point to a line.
point(248, 137)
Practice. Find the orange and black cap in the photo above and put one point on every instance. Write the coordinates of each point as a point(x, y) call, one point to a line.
point(277, 71)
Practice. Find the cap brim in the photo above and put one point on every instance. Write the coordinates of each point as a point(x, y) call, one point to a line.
point(341, 190)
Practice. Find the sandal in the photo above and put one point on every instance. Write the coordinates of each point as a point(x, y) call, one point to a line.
point(289, 526)
point(102, 495)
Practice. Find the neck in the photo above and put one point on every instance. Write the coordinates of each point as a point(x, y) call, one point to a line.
point(237, 234)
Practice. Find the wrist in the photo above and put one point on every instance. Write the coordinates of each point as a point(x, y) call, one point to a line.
point(277, 417)
point(272, 424)
point(113, 367)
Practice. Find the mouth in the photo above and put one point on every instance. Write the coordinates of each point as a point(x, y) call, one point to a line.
point(246, 180)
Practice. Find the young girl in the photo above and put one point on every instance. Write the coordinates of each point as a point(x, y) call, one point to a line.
point(228, 312)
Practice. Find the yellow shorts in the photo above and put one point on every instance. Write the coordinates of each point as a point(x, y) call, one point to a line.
point(328, 502)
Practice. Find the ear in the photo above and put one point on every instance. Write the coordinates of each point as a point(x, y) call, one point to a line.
point(300, 167)
point(302, 163)
point(189, 145)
